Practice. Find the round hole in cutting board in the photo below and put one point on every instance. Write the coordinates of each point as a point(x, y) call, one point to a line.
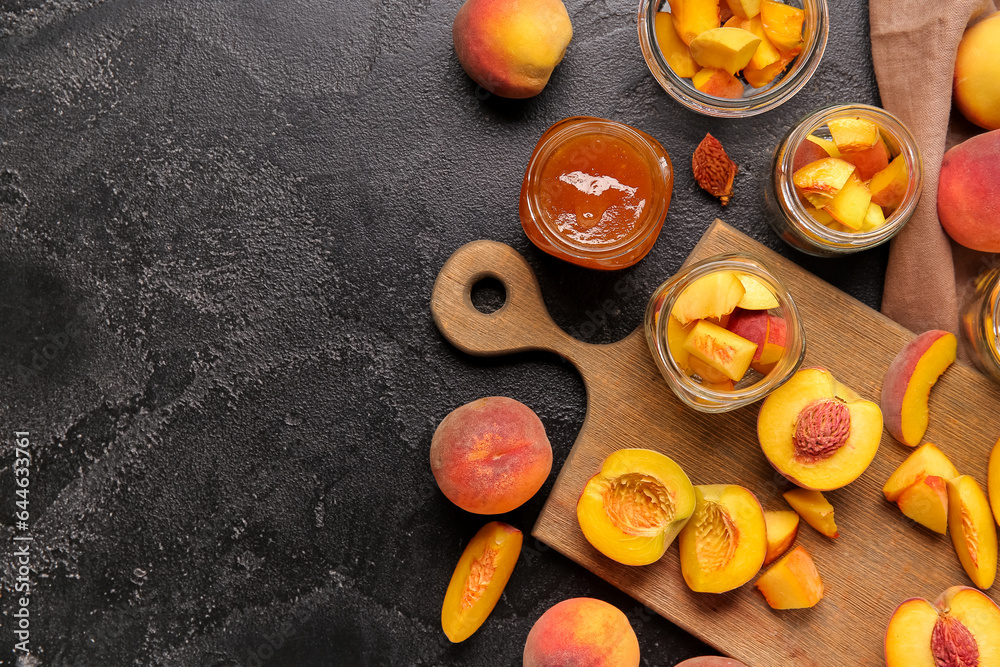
point(488, 295)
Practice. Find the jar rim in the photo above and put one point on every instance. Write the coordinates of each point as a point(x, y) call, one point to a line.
point(692, 393)
point(576, 126)
point(792, 206)
point(770, 97)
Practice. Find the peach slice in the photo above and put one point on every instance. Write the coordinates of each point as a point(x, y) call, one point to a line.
point(758, 78)
point(744, 9)
point(809, 151)
point(713, 295)
point(479, 579)
point(993, 480)
point(757, 296)
point(635, 506)
point(677, 333)
point(782, 24)
point(972, 529)
point(491, 455)
point(793, 582)
point(853, 134)
point(693, 17)
point(826, 177)
point(674, 50)
point(813, 436)
point(959, 630)
point(908, 382)
point(814, 508)
point(721, 349)
point(782, 527)
point(821, 216)
point(709, 376)
point(927, 460)
point(869, 161)
point(850, 206)
point(717, 82)
point(826, 144)
point(888, 187)
point(582, 631)
point(926, 502)
point(723, 545)
point(766, 54)
point(874, 218)
point(728, 49)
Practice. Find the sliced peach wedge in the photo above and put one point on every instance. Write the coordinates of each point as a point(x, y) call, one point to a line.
point(817, 435)
point(674, 50)
point(919, 487)
point(782, 527)
point(815, 509)
point(993, 480)
point(480, 576)
point(728, 49)
point(825, 177)
point(721, 349)
point(793, 582)
point(972, 529)
point(924, 461)
point(713, 295)
point(724, 543)
point(889, 186)
point(961, 629)
point(908, 382)
point(635, 506)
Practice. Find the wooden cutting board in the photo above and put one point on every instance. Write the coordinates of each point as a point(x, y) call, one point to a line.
point(880, 558)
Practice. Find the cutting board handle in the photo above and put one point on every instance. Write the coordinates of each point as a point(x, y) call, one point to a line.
point(522, 323)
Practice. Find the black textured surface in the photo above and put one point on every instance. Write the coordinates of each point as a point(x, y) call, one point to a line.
point(219, 227)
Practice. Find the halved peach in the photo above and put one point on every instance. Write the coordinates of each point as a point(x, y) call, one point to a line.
point(993, 480)
point(693, 17)
point(713, 295)
point(757, 296)
point(782, 24)
point(869, 161)
point(721, 349)
point(635, 506)
point(961, 629)
point(814, 437)
point(850, 206)
point(889, 186)
point(728, 49)
point(972, 529)
point(582, 631)
point(674, 50)
point(826, 177)
point(853, 134)
point(908, 382)
point(724, 543)
point(782, 527)
point(479, 578)
point(717, 82)
point(925, 461)
point(793, 582)
point(814, 508)
point(926, 502)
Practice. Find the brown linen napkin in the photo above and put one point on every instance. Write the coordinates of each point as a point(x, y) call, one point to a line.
point(913, 47)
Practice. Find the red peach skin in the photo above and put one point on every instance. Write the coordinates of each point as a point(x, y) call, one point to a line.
point(969, 192)
point(907, 385)
point(582, 631)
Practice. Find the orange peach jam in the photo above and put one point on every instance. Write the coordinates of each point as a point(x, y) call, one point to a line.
point(595, 193)
point(595, 188)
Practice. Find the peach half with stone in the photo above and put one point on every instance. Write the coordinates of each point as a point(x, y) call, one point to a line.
point(961, 629)
point(724, 543)
point(635, 506)
point(818, 433)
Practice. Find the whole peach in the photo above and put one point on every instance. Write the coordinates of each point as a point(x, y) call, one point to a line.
point(977, 73)
point(510, 47)
point(491, 455)
point(582, 631)
point(969, 192)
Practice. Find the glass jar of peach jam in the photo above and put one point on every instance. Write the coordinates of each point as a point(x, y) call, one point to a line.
point(596, 192)
point(981, 323)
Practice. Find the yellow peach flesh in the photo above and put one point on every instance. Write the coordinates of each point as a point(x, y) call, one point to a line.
point(782, 527)
point(908, 637)
point(674, 50)
point(693, 17)
point(814, 509)
point(757, 296)
point(993, 480)
point(728, 49)
point(721, 349)
point(924, 461)
point(783, 24)
point(635, 506)
point(724, 543)
point(973, 531)
point(827, 176)
point(853, 134)
point(850, 206)
point(744, 9)
point(926, 502)
point(908, 382)
point(793, 582)
point(717, 82)
point(888, 187)
point(713, 295)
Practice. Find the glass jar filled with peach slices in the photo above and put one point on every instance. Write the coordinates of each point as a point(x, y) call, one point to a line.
point(732, 58)
point(844, 179)
point(981, 322)
point(724, 333)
